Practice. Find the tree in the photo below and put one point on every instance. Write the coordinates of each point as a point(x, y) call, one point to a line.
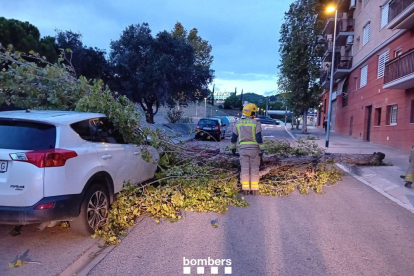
point(25, 37)
point(212, 96)
point(157, 71)
point(300, 57)
point(231, 102)
point(202, 49)
point(86, 61)
point(241, 101)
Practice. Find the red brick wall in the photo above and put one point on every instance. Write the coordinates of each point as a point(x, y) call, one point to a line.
point(400, 135)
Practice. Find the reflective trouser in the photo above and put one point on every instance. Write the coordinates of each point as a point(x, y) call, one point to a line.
point(250, 163)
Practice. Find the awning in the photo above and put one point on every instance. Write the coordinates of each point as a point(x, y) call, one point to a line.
point(341, 86)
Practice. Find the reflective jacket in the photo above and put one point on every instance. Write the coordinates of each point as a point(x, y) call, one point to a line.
point(248, 133)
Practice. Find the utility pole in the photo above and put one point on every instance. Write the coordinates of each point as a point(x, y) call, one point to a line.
point(328, 123)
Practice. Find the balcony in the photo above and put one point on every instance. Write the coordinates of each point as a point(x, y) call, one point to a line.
point(325, 78)
point(342, 67)
point(401, 14)
point(329, 49)
point(399, 72)
point(345, 31)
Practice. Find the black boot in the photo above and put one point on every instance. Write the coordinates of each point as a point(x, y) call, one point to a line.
point(402, 176)
point(408, 185)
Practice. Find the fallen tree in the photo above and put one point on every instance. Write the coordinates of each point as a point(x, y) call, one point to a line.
point(189, 177)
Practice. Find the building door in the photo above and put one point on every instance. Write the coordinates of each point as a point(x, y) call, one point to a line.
point(351, 123)
point(369, 115)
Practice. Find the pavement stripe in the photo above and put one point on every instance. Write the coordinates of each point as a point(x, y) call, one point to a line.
point(390, 197)
point(291, 135)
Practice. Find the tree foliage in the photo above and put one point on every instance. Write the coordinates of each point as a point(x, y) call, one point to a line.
point(300, 57)
point(155, 71)
point(87, 61)
point(25, 37)
point(43, 85)
point(232, 102)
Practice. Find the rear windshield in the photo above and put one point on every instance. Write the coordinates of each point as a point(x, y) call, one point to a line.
point(26, 135)
point(208, 122)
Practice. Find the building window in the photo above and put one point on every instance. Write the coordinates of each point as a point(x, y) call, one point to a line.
point(382, 59)
point(392, 111)
point(367, 34)
point(397, 53)
point(377, 118)
point(384, 15)
point(364, 76)
point(412, 112)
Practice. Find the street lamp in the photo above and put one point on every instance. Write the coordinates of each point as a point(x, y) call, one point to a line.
point(328, 123)
point(205, 107)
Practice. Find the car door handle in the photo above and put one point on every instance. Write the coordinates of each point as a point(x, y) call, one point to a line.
point(136, 153)
point(106, 156)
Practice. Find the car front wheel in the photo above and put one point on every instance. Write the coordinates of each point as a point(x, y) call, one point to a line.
point(93, 213)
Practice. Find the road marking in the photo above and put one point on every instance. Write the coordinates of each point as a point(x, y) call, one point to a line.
point(268, 136)
point(409, 207)
point(291, 135)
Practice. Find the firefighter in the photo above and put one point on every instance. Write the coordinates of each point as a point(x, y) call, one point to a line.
point(248, 132)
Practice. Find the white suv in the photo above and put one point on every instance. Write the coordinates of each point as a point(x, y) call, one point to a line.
point(64, 166)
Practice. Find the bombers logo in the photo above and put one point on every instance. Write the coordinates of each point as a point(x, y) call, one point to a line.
point(214, 265)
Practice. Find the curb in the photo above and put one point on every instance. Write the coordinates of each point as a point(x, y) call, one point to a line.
point(87, 260)
point(93, 256)
point(402, 204)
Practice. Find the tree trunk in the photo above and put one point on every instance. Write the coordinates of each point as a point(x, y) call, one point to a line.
point(305, 122)
point(271, 162)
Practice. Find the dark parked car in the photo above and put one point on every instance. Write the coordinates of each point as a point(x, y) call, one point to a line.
point(267, 120)
point(208, 127)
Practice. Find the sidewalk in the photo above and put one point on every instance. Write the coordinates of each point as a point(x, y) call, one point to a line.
point(384, 179)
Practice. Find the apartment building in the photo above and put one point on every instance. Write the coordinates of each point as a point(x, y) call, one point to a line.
point(373, 92)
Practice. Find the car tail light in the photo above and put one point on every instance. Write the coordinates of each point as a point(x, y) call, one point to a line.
point(44, 206)
point(198, 126)
point(217, 128)
point(45, 158)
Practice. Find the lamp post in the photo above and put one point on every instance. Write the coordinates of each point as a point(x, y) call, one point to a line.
point(205, 107)
point(328, 123)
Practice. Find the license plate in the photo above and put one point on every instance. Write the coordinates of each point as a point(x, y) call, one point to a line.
point(3, 166)
point(207, 128)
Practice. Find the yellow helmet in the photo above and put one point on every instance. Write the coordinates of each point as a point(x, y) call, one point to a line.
point(249, 110)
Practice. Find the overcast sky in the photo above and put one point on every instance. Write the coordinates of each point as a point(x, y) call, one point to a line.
point(244, 33)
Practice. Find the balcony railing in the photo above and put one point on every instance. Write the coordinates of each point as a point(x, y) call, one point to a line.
point(396, 7)
point(399, 67)
point(343, 62)
point(345, 25)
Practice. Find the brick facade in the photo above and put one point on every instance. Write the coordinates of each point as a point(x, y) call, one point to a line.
point(353, 119)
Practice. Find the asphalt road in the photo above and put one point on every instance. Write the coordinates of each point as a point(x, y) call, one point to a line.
point(54, 248)
point(350, 229)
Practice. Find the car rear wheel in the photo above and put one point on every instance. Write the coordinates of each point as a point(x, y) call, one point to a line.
point(218, 137)
point(93, 213)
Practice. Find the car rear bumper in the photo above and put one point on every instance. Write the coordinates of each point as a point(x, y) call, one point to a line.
point(206, 133)
point(65, 207)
